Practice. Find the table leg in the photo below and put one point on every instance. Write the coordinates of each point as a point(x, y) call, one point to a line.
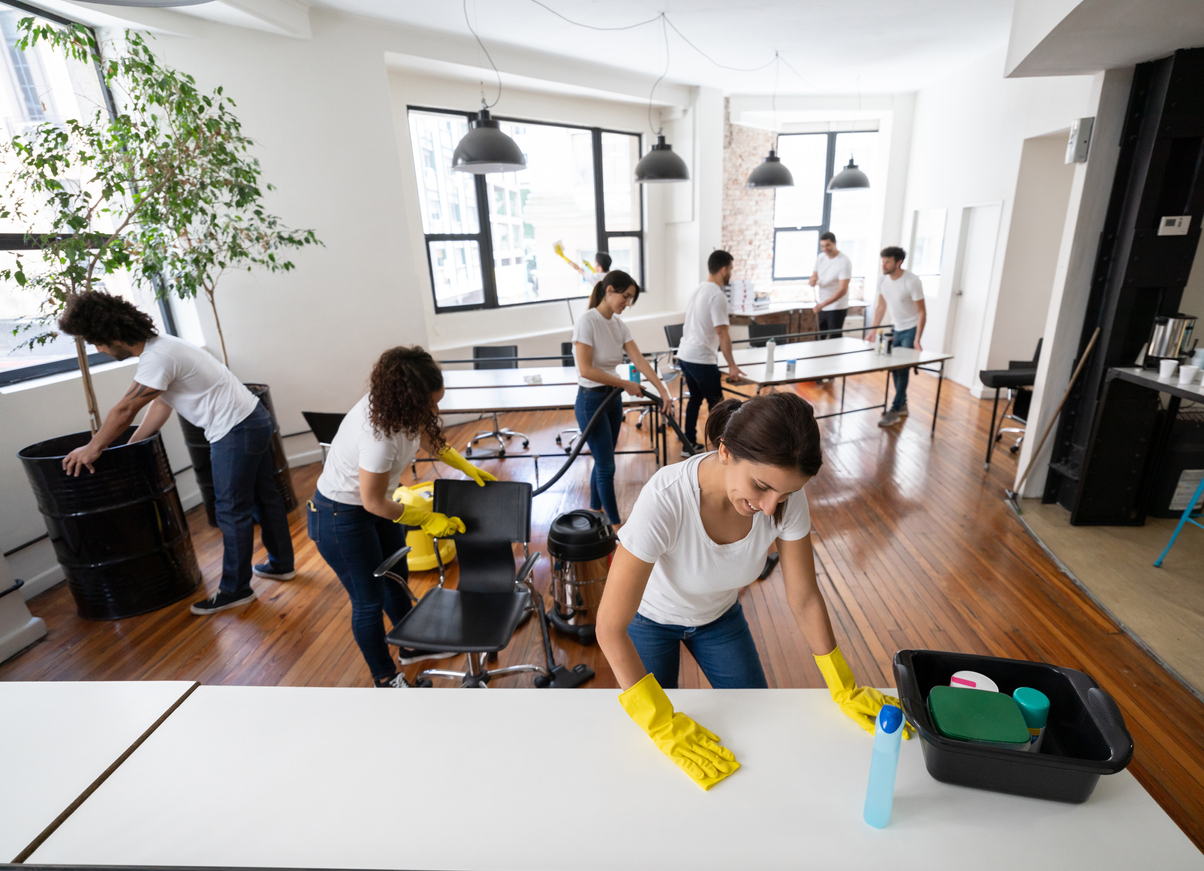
point(843, 382)
point(1184, 519)
point(886, 394)
point(940, 379)
point(991, 435)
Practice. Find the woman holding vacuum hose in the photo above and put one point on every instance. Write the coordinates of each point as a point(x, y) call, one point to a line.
point(700, 532)
point(353, 521)
point(599, 339)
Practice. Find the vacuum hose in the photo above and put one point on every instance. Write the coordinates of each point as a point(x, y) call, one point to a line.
point(611, 397)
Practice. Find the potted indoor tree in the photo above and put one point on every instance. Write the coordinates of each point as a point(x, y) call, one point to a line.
point(114, 192)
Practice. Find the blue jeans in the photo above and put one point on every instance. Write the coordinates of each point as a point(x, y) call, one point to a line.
point(354, 542)
point(724, 650)
point(704, 383)
point(244, 490)
point(903, 339)
point(602, 444)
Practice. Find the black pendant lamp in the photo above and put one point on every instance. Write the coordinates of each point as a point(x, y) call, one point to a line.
point(849, 179)
point(660, 165)
point(770, 174)
point(486, 149)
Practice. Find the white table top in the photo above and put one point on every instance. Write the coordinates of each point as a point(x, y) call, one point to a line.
point(546, 397)
point(59, 738)
point(459, 379)
point(1150, 378)
point(556, 779)
point(799, 351)
point(779, 307)
point(841, 365)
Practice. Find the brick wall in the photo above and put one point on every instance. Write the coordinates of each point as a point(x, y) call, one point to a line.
point(747, 214)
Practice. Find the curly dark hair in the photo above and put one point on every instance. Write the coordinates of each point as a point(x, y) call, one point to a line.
point(100, 318)
point(399, 394)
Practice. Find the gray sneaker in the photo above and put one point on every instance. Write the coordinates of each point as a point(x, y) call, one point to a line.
point(890, 418)
point(902, 412)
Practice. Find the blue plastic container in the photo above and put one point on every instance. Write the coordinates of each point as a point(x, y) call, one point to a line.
point(880, 794)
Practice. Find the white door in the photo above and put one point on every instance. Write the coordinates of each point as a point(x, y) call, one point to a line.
point(980, 231)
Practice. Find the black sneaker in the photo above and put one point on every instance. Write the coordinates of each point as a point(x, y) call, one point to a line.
point(698, 449)
point(221, 601)
point(407, 655)
point(397, 682)
point(267, 570)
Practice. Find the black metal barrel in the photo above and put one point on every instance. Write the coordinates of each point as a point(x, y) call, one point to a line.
point(119, 533)
point(198, 450)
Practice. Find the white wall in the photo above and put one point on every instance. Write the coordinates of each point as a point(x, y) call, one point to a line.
point(1033, 242)
point(968, 135)
point(1090, 192)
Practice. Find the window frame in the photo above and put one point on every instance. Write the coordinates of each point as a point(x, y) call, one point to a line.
point(823, 227)
point(21, 242)
point(484, 235)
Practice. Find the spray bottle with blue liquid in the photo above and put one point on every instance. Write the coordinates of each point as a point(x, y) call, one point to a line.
point(880, 794)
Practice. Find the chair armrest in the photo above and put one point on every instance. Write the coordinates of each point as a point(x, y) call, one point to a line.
point(528, 567)
point(385, 569)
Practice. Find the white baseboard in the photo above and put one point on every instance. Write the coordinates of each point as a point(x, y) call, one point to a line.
point(304, 458)
point(37, 566)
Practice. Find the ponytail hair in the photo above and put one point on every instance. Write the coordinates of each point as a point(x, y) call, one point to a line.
point(775, 429)
point(619, 281)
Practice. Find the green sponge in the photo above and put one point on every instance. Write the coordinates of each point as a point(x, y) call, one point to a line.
point(978, 715)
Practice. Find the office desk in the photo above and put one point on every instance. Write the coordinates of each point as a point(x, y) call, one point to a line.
point(460, 379)
point(60, 738)
point(799, 351)
point(562, 779)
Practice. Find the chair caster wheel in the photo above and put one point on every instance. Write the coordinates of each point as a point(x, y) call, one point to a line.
point(501, 452)
point(639, 426)
point(468, 452)
point(424, 682)
point(999, 437)
point(492, 658)
point(542, 681)
point(568, 450)
point(1014, 448)
point(526, 445)
point(558, 441)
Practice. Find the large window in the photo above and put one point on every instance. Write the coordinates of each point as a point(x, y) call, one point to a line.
point(803, 212)
point(40, 86)
point(491, 240)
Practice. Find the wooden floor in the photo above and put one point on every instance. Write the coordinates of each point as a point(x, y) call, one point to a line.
point(916, 548)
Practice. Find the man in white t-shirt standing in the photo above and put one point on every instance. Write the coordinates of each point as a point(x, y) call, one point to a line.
point(174, 374)
point(833, 270)
point(903, 293)
point(706, 330)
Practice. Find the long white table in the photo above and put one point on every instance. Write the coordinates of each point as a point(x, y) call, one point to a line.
point(557, 779)
point(60, 739)
point(798, 351)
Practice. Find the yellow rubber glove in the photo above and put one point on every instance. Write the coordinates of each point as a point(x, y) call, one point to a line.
point(451, 457)
point(418, 512)
point(860, 703)
point(696, 750)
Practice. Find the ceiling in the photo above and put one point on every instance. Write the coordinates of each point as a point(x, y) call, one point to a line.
point(875, 46)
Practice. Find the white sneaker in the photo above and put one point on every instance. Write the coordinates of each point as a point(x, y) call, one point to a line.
point(889, 419)
point(397, 682)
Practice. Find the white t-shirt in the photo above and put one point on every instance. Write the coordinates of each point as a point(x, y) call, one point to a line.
point(832, 270)
point(901, 294)
point(203, 391)
point(694, 580)
point(606, 337)
point(706, 310)
point(357, 446)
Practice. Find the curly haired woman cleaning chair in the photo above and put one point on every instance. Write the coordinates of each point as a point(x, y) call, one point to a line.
point(353, 521)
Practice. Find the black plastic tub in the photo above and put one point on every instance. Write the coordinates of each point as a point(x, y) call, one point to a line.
point(1084, 738)
point(119, 533)
point(202, 468)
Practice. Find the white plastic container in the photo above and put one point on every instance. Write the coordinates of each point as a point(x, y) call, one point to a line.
point(770, 348)
point(974, 681)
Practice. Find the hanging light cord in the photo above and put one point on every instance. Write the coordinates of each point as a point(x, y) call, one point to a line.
point(594, 27)
point(664, 20)
point(473, 31)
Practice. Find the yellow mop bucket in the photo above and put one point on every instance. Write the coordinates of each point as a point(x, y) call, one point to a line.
point(421, 557)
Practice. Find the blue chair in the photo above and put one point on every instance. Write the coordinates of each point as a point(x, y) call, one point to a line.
point(1184, 519)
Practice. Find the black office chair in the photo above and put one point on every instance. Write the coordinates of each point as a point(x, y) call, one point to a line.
point(568, 360)
point(324, 425)
point(484, 358)
point(760, 333)
point(1017, 380)
point(480, 616)
point(673, 333)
